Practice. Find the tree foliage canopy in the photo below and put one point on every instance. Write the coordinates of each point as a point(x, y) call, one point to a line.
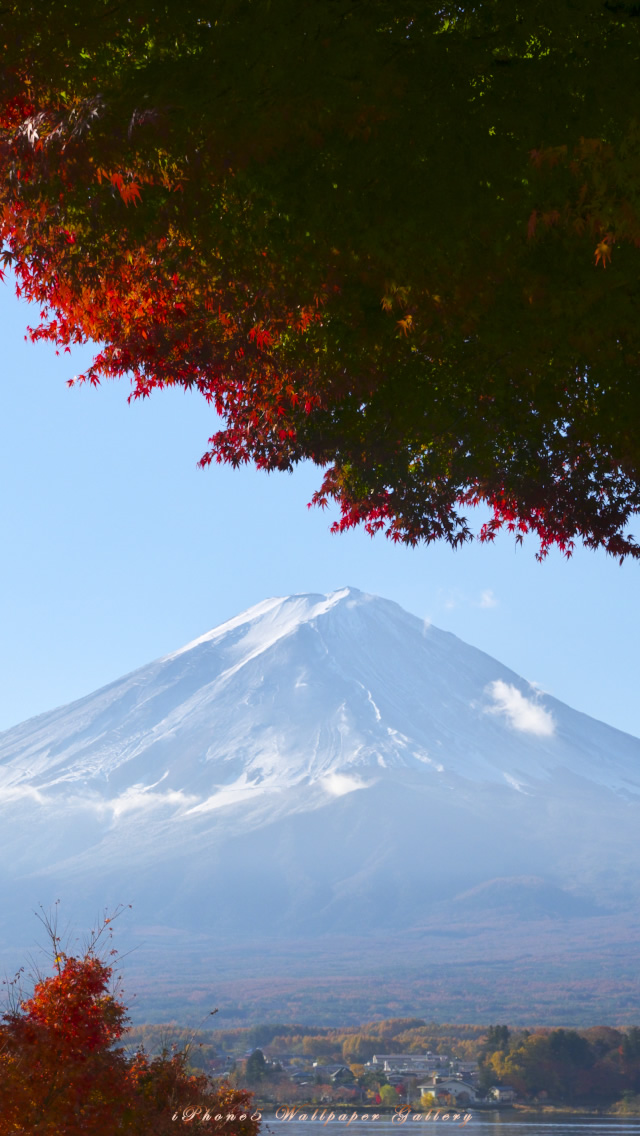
point(399, 239)
point(62, 1072)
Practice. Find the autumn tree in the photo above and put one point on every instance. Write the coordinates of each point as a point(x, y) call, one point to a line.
point(64, 1073)
point(256, 1067)
point(570, 1066)
point(400, 240)
point(388, 1096)
point(360, 1047)
point(631, 1044)
point(497, 1038)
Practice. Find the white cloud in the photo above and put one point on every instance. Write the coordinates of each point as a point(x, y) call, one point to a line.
point(340, 783)
point(514, 783)
point(521, 713)
point(135, 799)
point(138, 798)
point(487, 599)
point(20, 793)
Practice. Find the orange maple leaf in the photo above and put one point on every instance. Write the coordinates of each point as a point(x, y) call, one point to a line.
point(406, 324)
point(603, 250)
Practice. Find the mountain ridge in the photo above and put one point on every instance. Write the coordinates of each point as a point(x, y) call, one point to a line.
point(184, 695)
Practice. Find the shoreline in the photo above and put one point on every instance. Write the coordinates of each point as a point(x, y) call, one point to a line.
point(269, 1110)
point(570, 1110)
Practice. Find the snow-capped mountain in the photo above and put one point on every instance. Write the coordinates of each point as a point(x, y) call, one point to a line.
point(316, 763)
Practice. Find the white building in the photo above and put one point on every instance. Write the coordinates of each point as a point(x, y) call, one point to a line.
point(452, 1086)
point(406, 1062)
point(502, 1093)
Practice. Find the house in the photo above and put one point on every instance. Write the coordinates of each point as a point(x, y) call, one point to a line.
point(502, 1093)
point(469, 1070)
point(337, 1074)
point(454, 1087)
point(399, 1076)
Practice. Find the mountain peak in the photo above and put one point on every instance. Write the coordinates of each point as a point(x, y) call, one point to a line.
point(330, 692)
point(280, 615)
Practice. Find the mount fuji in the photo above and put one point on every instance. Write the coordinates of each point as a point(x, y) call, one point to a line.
point(317, 768)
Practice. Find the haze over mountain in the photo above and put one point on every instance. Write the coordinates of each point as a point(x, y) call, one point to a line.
point(321, 766)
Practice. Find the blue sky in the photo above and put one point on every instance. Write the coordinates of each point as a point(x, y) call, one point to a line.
point(118, 549)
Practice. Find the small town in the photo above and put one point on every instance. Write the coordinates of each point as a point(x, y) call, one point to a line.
point(422, 1080)
point(434, 1067)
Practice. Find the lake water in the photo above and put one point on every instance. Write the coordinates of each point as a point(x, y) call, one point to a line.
point(480, 1124)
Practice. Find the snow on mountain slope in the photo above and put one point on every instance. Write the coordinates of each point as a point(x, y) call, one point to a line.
point(311, 754)
point(309, 689)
